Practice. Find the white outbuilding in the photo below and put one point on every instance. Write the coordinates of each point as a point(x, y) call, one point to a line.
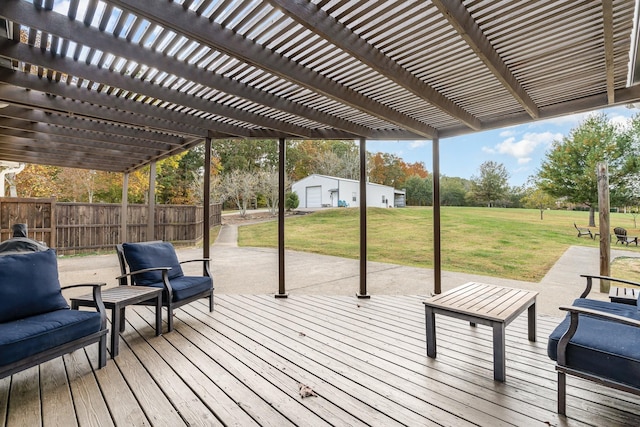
point(318, 191)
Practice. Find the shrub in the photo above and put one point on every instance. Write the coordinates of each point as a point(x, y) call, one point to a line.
point(291, 201)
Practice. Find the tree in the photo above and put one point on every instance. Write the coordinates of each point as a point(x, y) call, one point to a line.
point(536, 198)
point(569, 169)
point(240, 187)
point(387, 169)
point(38, 181)
point(246, 154)
point(419, 191)
point(269, 187)
point(453, 191)
point(492, 183)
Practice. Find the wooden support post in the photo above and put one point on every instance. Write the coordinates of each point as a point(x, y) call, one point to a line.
point(124, 207)
point(363, 220)
point(282, 150)
point(602, 173)
point(206, 202)
point(437, 259)
point(151, 225)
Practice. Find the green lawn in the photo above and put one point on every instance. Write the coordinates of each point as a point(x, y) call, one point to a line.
point(510, 243)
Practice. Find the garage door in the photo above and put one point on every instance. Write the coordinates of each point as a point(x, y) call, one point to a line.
point(314, 197)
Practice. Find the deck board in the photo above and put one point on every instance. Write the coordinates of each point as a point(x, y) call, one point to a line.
point(57, 403)
point(365, 359)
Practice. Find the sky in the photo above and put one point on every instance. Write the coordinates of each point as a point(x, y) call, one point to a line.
point(521, 149)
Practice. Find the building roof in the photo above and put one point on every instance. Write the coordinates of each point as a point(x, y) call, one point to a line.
point(337, 178)
point(116, 84)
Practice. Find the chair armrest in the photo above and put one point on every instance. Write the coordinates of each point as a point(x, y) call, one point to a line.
point(144, 270)
point(165, 277)
point(575, 313)
point(97, 298)
point(590, 278)
point(196, 260)
point(602, 314)
point(206, 264)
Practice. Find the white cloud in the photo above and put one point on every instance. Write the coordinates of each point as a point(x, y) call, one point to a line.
point(418, 143)
point(620, 120)
point(488, 150)
point(522, 148)
point(507, 133)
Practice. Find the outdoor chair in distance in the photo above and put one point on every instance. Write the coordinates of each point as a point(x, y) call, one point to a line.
point(156, 264)
point(621, 237)
point(582, 231)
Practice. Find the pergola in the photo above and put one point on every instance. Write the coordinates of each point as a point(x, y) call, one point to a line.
point(115, 85)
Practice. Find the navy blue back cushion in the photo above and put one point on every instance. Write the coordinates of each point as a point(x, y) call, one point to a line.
point(147, 255)
point(29, 285)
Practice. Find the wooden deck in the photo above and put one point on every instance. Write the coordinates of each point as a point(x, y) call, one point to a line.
point(365, 359)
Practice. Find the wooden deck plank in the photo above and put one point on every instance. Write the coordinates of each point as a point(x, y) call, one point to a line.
point(466, 358)
point(203, 376)
point(5, 384)
point(151, 398)
point(401, 394)
point(24, 402)
point(91, 409)
point(120, 400)
point(286, 375)
point(366, 360)
point(407, 373)
point(57, 403)
point(300, 368)
point(137, 341)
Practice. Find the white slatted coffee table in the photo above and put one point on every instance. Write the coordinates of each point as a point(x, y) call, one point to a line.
point(490, 305)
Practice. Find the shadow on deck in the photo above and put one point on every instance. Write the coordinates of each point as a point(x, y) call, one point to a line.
point(365, 360)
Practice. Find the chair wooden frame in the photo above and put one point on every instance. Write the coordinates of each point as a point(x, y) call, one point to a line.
point(583, 231)
point(564, 369)
point(169, 303)
point(621, 237)
point(100, 337)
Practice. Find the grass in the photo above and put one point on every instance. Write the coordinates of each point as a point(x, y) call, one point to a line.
point(509, 243)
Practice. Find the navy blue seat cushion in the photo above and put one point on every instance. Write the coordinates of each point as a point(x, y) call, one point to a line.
point(602, 347)
point(26, 337)
point(186, 286)
point(29, 285)
point(148, 255)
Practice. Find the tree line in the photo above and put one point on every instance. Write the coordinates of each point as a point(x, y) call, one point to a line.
point(244, 174)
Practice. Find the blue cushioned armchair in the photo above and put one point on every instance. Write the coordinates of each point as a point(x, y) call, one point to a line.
point(597, 341)
point(156, 264)
point(36, 323)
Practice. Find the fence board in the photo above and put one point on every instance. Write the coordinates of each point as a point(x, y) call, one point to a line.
point(80, 227)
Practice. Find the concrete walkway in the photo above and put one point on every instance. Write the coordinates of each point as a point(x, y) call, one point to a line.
point(241, 270)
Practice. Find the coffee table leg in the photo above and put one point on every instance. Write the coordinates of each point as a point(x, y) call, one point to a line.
point(115, 330)
point(123, 319)
point(499, 364)
point(431, 332)
point(159, 315)
point(531, 313)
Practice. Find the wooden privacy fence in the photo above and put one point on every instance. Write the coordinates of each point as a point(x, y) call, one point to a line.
point(80, 227)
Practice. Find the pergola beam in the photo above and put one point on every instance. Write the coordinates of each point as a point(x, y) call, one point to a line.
point(460, 19)
point(83, 103)
point(622, 96)
point(133, 153)
point(188, 23)
point(72, 126)
point(62, 27)
point(607, 21)
point(22, 52)
point(317, 20)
